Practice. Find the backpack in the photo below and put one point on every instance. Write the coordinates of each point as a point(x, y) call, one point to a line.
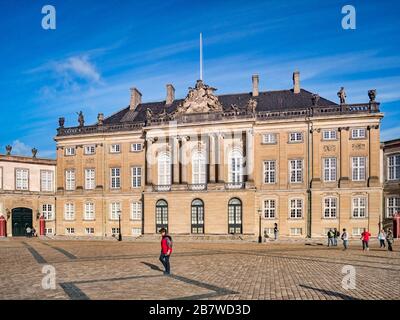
point(169, 241)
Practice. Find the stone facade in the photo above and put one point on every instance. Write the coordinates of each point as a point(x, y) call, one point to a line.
point(298, 160)
point(27, 183)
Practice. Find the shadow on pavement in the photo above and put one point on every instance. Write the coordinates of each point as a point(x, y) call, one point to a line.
point(330, 293)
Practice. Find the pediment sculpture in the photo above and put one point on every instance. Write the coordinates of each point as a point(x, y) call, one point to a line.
point(200, 99)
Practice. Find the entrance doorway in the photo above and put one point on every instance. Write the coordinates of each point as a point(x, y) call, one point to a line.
point(21, 219)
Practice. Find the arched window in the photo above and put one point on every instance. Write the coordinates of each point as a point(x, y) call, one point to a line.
point(164, 169)
point(197, 216)
point(235, 166)
point(198, 168)
point(234, 216)
point(161, 215)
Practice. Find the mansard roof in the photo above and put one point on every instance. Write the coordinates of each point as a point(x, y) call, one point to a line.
point(282, 100)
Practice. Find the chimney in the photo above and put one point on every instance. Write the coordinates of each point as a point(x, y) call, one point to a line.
point(255, 79)
point(170, 94)
point(296, 82)
point(136, 98)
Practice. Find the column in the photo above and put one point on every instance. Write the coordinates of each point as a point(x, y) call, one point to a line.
point(373, 156)
point(183, 158)
point(149, 160)
point(176, 159)
point(344, 157)
point(220, 159)
point(211, 152)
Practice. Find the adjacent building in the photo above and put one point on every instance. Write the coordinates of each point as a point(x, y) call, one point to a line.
point(213, 164)
point(27, 191)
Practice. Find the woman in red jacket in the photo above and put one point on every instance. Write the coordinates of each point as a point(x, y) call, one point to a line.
point(166, 250)
point(365, 239)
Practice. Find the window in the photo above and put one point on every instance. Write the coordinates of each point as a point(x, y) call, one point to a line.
point(198, 168)
point(70, 179)
point(161, 215)
point(47, 211)
point(48, 231)
point(394, 167)
point(89, 213)
point(90, 179)
point(270, 171)
point(70, 230)
point(330, 207)
point(22, 179)
point(164, 169)
point(69, 211)
point(235, 216)
point(136, 211)
point(392, 206)
point(329, 135)
point(359, 207)
point(269, 209)
point(235, 167)
point(269, 138)
point(115, 210)
point(357, 231)
point(136, 232)
point(46, 180)
point(136, 177)
point(329, 169)
point(358, 133)
point(296, 171)
point(197, 216)
point(115, 178)
point(296, 231)
point(115, 231)
point(91, 149)
point(296, 208)
point(295, 137)
point(358, 168)
point(89, 230)
point(136, 147)
point(70, 151)
point(115, 148)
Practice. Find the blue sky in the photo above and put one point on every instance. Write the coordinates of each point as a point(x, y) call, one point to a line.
point(100, 49)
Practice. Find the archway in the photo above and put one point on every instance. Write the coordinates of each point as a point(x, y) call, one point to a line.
point(21, 218)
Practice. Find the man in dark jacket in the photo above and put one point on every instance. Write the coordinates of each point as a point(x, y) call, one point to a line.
point(166, 250)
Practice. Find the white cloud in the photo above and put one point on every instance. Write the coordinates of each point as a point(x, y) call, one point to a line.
point(78, 67)
point(20, 148)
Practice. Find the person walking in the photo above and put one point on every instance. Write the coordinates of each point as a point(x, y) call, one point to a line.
point(166, 250)
point(389, 239)
point(28, 231)
point(276, 231)
point(330, 238)
point(365, 239)
point(382, 238)
point(336, 235)
point(345, 239)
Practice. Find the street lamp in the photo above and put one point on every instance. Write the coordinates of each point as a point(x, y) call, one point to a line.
point(259, 226)
point(119, 224)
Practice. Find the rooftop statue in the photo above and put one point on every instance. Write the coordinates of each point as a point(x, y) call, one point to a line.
point(81, 119)
point(342, 95)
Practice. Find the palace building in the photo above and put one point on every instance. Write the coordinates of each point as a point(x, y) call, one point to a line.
point(213, 164)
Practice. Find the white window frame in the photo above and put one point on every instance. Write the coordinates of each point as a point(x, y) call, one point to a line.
point(89, 230)
point(136, 234)
point(393, 169)
point(358, 168)
point(115, 210)
point(70, 179)
point(330, 208)
point(69, 211)
point(330, 169)
point(115, 148)
point(199, 174)
point(269, 171)
point(269, 138)
point(89, 211)
point(115, 231)
point(70, 151)
point(356, 207)
point(48, 231)
point(329, 134)
point(90, 179)
point(269, 209)
point(136, 210)
point(295, 137)
point(46, 181)
point(235, 166)
point(358, 233)
point(22, 179)
point(90, 149)
point(296, 233)
point(48, 211)
point(69, 230)
point(164, 169)
point(136, 147)
point(296, 170)
point(296, 208)
point(136, 174)
point(392, 205)
point(358, 133)
point(115, 178)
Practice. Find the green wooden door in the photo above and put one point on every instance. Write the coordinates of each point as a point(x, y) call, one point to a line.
point(21, 218)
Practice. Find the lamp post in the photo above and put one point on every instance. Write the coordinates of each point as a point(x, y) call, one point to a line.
point(259, 226)
point(119, 225)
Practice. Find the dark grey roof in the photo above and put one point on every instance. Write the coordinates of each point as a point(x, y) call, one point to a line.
point(266, 101)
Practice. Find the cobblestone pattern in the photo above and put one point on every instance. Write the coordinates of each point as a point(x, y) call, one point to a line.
point(131, 270)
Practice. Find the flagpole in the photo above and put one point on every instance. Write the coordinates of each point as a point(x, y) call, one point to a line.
point(201, 56)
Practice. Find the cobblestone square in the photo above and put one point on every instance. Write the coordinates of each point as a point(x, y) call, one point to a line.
point(200, 270)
